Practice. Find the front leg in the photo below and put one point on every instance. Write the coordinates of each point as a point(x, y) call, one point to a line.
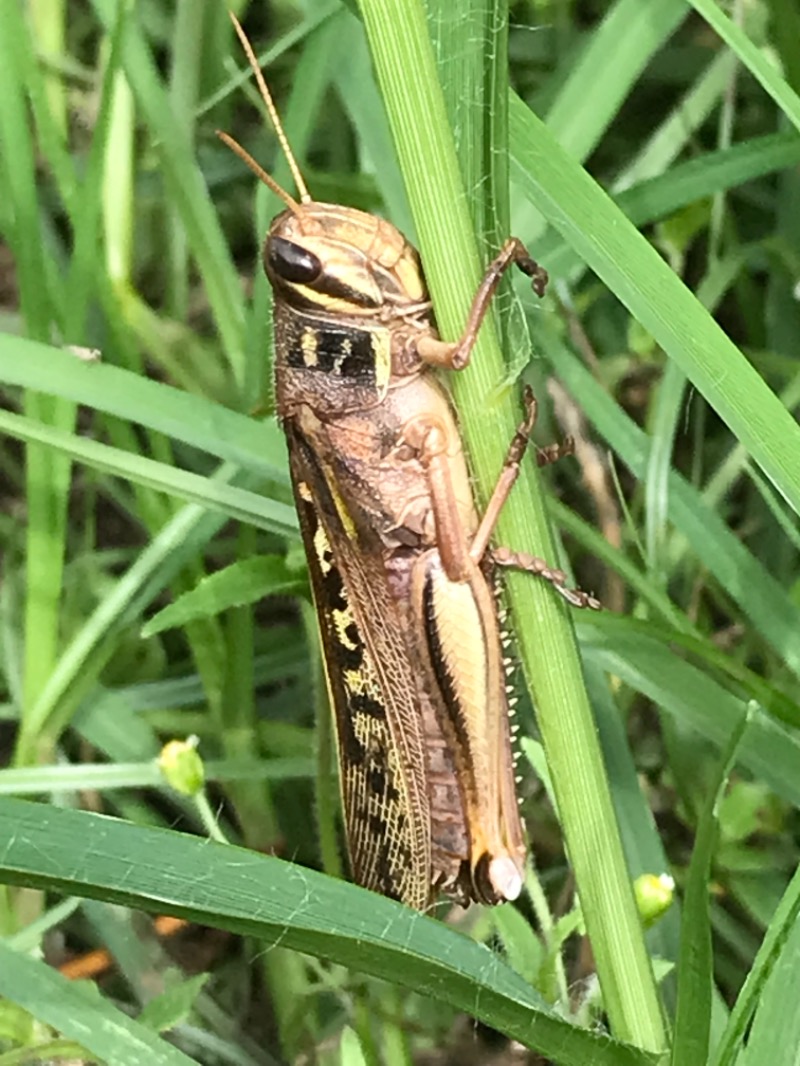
point(455, 355)
point(427, 438)
point(510, 472)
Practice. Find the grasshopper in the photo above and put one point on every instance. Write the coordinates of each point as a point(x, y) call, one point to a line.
point(400, 561)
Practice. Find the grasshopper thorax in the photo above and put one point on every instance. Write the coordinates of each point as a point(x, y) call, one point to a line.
point(340, 261)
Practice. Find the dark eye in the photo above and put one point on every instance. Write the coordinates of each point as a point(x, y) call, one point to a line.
point(291, 262)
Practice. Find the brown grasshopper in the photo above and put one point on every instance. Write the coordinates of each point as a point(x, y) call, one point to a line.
point(400, 562)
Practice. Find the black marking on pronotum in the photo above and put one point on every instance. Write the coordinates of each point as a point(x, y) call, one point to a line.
point(339, 351)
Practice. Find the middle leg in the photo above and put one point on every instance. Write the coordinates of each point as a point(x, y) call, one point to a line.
point(510, 472)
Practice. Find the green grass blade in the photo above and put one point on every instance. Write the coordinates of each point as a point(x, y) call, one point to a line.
point(274, 901)
point(762, 69)
point(41, 780)
point(781, 939)
point(642, 280)
point(185, 74)
point(683, 184)
point(89, 1020)
point(750, 585)
point(47, 472)
point(187, 190)
point(16, 138)
point(631, 31)
point(192, 419)
point(404, 62)
point(670, 139)
point(770, 751)
point(774, 1036)
point(695, 969)
point(77, 670)
point(229, 500)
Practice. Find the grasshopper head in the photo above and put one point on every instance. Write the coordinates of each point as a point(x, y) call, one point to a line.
point(327, 258)
point(338, 260)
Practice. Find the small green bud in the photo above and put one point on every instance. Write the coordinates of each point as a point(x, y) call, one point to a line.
point(654, 894)
point(182, 766)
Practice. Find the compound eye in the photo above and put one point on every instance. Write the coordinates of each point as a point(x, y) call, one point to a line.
point(291, 262)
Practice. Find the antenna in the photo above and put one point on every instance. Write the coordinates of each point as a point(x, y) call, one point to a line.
point(259, 171)
point(266, 96)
